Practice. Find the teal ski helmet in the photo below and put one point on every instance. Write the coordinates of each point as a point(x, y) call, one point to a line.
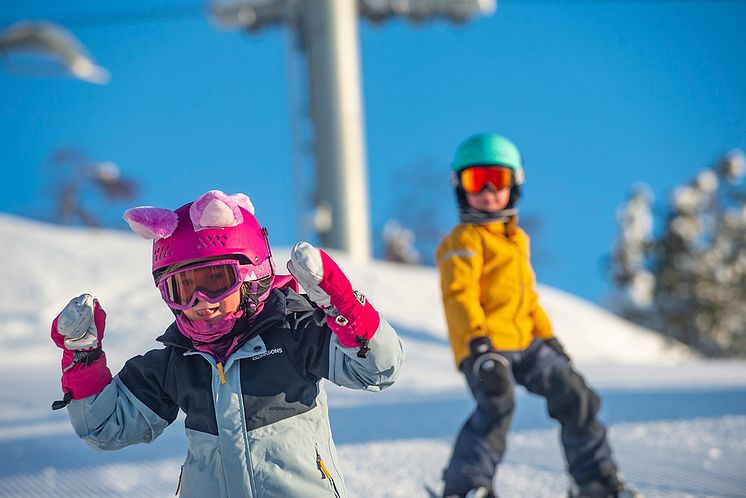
point(486, 149)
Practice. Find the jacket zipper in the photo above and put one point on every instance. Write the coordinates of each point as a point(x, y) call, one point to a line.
point(322, 467)
point(244, 429)
point(178, 484)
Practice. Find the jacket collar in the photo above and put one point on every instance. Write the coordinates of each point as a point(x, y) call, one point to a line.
point(507, 228)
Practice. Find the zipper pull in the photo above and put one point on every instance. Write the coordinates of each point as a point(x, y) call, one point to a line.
point(322, 466)
point(222, 374)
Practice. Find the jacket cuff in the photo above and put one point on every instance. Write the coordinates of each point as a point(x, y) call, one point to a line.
point(82, 379)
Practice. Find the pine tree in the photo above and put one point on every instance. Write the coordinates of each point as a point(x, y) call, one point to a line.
point(630, 273)
point(693, 273)
point(399, 244)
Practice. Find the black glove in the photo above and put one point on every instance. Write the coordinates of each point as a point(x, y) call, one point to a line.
point(557, 347)
point(489, 369)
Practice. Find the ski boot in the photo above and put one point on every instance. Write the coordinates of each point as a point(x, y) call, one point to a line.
point(480, 492)
point(606, 486)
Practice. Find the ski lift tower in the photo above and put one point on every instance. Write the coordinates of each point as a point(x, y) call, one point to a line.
point(326, 33)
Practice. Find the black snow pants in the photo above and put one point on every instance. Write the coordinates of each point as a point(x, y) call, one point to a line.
point(492, 376)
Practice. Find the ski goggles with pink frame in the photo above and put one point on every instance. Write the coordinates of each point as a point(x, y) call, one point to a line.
point(211, 281)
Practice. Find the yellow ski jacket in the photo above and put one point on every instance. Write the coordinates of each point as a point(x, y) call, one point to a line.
point(488, 288)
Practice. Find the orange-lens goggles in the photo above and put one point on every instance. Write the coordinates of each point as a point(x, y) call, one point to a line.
point(212, 280)
point(474, 178)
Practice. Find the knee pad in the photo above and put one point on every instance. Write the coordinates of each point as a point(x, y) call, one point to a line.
point(571, 401)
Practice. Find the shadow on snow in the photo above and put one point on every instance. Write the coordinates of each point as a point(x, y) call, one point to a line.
point(439, 419)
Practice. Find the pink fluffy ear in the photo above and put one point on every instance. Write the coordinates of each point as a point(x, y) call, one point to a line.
point(215, 209)
point(151, 222)
point(244, 201)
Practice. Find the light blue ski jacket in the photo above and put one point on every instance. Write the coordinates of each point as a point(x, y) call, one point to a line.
point(263, 430)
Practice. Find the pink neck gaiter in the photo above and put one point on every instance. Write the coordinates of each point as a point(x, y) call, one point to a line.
point(213, 338)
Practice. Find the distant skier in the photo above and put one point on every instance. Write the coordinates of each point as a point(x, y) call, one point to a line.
point(501, 336)
point(243, 360)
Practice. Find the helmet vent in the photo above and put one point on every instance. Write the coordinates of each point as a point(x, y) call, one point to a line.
point(160, 253)
point(210, 240)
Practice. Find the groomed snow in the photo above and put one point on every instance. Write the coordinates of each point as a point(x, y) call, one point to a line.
point(677, 422)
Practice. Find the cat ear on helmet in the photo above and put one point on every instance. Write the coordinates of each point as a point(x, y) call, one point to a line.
point(244, 201)
point(151, 222)
point(216, 209)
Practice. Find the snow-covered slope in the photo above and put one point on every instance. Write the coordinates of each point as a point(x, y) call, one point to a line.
point(45, 265)
point(390, 442)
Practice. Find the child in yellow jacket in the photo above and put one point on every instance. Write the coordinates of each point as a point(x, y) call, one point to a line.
point(501, 336)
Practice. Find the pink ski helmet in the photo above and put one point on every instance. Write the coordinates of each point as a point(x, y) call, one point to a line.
point(214, 225)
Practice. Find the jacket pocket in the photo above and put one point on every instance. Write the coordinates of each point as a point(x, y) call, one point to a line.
point(325, 474)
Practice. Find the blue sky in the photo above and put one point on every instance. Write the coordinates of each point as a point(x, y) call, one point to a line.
point(597, 95)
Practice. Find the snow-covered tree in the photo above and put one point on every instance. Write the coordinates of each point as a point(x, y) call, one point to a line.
point(689, 282)
point(630, 273)
point(399, 244)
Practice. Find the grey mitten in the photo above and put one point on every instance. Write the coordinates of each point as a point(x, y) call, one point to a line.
point(75, 323)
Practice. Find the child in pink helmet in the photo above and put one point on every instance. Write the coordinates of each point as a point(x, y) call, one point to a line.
point(243, 359)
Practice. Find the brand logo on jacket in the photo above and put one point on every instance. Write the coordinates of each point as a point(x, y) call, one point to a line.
point(268, 353)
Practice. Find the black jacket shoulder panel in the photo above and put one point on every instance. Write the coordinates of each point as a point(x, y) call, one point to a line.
point(145, 376)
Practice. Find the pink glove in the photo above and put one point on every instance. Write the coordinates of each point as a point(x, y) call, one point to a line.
point(78, 331)
point(349, 314)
